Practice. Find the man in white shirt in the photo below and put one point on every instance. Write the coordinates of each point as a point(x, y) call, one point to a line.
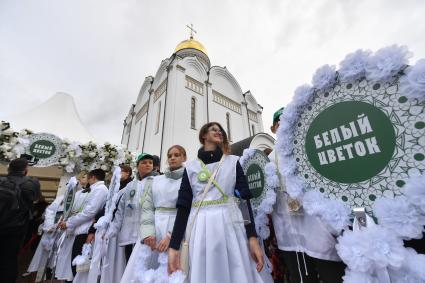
point(88, 202)
point(305, 245)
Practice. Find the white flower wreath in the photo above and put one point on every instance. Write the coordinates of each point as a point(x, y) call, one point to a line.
point(400, 218)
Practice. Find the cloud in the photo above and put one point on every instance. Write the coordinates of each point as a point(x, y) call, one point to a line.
point(101, 51)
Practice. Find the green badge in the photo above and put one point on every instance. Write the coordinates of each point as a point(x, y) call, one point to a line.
point(203, 175)
point(132, 193)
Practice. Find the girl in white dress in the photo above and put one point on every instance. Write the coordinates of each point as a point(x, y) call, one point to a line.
point(221, 248)
point(158, 215)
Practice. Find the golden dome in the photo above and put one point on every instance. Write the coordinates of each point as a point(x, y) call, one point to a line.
point(191, 43)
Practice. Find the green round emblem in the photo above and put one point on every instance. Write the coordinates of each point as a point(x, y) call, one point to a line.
point(358, 141)
point(42, 149)
point(350, 142)
point(203, 175)
point(132, 193)
point(255, 175)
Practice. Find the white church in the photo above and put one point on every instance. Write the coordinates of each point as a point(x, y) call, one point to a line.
point(187, 92)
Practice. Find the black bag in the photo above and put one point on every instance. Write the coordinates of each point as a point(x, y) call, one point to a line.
point(14, 210)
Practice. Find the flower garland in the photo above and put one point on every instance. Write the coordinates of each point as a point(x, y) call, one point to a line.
point(377, 248)
point(12, 144)
point(75, 157)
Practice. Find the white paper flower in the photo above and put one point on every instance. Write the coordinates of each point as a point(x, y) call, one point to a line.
point(294, 186)
point(399, 216)
point(353, 247)
point(303, 95)
point(371, 248)
point(387, 62)
point(353, 67)
point(412, 84)
point(358, 277)
point(385, 248)
point(92, 154)
point(177, 277)
point(414, 190)
point(324, 78)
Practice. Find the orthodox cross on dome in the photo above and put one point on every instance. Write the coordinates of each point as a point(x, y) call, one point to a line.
point(192, 30)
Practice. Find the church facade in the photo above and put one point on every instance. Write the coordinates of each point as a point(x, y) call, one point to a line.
point(185, 93)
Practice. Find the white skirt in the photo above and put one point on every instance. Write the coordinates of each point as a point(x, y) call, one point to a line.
point(142, 259)
point(39, 259)
point(114, 263)
point(63, 265)
point(157, 266)
point(218, 247)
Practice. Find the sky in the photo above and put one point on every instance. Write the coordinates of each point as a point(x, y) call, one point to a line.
point(100, 51)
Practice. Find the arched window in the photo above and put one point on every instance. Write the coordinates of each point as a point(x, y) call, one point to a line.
point(193, 113)
point(253, 129)
point(158, 118)
point(229, 135)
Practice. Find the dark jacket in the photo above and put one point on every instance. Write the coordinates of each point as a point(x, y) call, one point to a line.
point(30, 192)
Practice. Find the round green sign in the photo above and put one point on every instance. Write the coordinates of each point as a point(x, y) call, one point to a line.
point(255, 176)
point(253, 168)
point(42, 149)
point(350, 142)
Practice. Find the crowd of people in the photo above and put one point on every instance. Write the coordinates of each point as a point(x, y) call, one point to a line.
point(186, 222)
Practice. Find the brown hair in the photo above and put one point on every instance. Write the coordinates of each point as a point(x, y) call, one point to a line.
point(126, 168)
point(179, 148)
point(225, 146)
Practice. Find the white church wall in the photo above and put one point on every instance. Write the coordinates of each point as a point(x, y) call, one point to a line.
point(215, 95)
point(187, 82)
point(226, 99)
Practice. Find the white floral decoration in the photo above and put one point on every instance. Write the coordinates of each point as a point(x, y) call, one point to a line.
point(75, 157)
point(357, 277)
point(387, 62)
point(324, 78)
point(414, 190)
point(413, 84)
point(333, 213)
point(177, 277)
point(377, 248)
point(398, 216)
point(303, 95)
point(370, 249)
point(412, 269)
point(353, 67)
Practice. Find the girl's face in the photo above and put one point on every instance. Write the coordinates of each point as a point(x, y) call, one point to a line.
point(145, 167)
point(83, 180)
point(214, 135)
point(124, 175)
point(175, 158)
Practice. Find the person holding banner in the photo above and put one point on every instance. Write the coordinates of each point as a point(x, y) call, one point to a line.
point(108, 259)
point(43, 257)
point(87, 203)
point(127, 220)
point(305, 245)
point(158, 215)
point(220, 245)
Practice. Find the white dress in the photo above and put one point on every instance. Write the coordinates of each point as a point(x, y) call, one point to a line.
point(158, 216)
point(113, 263)
point(84, 209)
point(218, 246)
point(43, 251)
